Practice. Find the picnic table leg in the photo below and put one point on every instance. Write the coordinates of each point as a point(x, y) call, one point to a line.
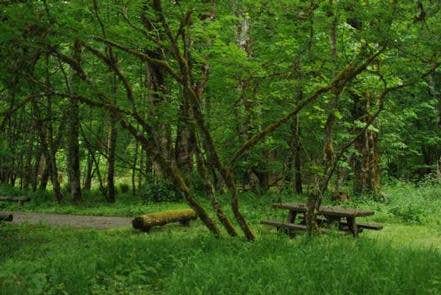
point(291, 219)
point(352, 225)
point(292, 216)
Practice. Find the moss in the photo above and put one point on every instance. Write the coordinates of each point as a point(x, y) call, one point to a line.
point(145, 222)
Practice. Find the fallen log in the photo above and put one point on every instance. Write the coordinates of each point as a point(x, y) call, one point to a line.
point(147, 221)
point(6, 217)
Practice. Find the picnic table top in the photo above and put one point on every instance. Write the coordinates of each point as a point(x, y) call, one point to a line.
point(14, 198)
point(326, 210)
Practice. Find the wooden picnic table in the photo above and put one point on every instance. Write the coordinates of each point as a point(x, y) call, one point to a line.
point(345, 217)
point(19, 199)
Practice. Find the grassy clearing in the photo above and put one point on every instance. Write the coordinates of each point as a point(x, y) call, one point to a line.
point(404, 258)
point(94, 204)
point(175, 260)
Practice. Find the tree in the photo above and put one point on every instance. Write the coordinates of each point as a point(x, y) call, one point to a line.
point(218, 93)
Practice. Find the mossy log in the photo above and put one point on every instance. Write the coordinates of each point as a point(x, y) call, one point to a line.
point(147, 221)
point(6, 217)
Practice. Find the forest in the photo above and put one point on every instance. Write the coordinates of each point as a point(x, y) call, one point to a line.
point(222, 113)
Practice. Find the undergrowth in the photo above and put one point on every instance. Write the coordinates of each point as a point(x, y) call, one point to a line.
point(176, 260)
point(404, 258)
point(403, 203)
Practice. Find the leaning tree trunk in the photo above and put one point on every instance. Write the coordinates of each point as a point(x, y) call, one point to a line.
point(173, 173)
point(208, 184)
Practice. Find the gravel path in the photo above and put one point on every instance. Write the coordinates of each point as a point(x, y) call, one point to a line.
point(77, 221)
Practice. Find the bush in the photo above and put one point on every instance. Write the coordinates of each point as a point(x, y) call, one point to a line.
point(415, 204)
point(8, 190)
point(409, 213)
point(159, 191)
point(123, 188)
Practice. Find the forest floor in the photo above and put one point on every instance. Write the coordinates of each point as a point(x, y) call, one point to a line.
point(77, 221)
point(403, 258)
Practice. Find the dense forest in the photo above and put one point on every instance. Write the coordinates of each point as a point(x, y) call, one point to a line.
point(221, 107)
point(311, 96)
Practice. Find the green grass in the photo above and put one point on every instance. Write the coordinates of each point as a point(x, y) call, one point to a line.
point(404, 258)
point(175, 260)
point(94, 204)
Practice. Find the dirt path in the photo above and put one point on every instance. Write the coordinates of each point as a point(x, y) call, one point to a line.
point(77, 221)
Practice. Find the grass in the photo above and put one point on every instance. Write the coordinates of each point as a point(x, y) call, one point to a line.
point(404, 258)
point(94, 204)
point(38, 260)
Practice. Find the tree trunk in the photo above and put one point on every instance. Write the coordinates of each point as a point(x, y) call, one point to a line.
point(174, 175)
point(73, 127)
point(245, 107)
point(52, 147)
point(27, 166)
point(365, 163)
point(208, 184)
point(96, 161)
point(37, 169)
point(185, 141)
point(111, 161)
point(48, 147)
point(89, 173)
point(135, 162)
point(296, 163)
point(155, 84)
point(111, 149)
point(45, 175)
point(435, 90)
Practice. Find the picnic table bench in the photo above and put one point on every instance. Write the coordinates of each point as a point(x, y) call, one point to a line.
point(327, 215)
point(19, 199)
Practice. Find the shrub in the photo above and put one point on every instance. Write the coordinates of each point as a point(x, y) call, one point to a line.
point(159, 191)
point(409, 213)
point(123, 188)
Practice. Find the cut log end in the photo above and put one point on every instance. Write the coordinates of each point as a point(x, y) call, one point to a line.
point(6, 217)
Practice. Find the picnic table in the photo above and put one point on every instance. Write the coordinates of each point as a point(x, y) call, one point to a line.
point(345, 218)
point(19, 199)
